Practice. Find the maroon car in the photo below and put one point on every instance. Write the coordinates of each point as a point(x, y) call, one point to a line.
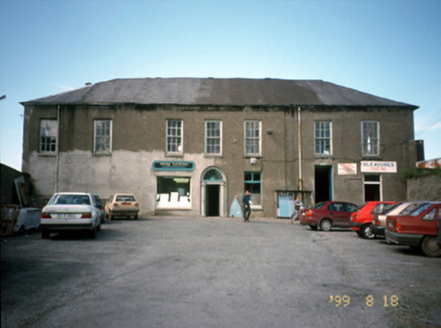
point(328, 214)
point(419, 229)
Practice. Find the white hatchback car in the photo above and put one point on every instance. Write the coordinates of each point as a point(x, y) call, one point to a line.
point(70, 211)
point(122, 204)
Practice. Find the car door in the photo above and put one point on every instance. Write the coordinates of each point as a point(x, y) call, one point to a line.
point(339, 215)
point(429, 222)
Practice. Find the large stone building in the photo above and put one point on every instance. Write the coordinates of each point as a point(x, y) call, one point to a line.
point(189, 146)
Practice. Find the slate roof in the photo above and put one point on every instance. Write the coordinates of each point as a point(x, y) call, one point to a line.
point(210, 91)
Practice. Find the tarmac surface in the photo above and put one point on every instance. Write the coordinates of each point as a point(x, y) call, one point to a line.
point(215, 272)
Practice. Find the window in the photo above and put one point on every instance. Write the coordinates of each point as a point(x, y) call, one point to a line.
point(213, 137)
point(252, 138)
point(48, 136)
point(370, 138)
point(253, 184)
point(103, 136)
point(430, 216)
point(174, 136)
point(322, 138)
point(173, 192)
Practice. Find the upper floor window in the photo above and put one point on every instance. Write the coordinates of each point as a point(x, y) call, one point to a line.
point(174, 136)
point(370, 132)
point(48, 136)
point(252, 138)
point(213, 137)
point(322, 136)
point(102, 136)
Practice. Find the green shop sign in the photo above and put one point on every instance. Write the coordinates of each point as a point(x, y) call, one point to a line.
point(173, 166)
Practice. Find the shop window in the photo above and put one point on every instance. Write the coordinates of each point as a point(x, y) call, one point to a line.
point(322, 137)
point(102, 136)
point(252, 138)
point(370, 138)
point(253, 184)
point(174, 137)
point(173, 192)
point(48, 136)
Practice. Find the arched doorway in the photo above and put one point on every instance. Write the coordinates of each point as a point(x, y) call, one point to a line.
point(213, 191)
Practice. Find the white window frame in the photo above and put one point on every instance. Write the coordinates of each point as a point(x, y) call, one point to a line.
point(322, 139)
point(178, 148)
point(370, 144)
point(107, 138)
point(49, 132)
point(247, 138)
point(213, 138)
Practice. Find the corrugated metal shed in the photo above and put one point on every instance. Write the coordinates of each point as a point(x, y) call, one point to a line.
point(210, 91)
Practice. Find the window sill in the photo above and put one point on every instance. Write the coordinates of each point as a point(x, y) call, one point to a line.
point(47, 154)
point(101, 154)
point(174, 155)
point(256, 208)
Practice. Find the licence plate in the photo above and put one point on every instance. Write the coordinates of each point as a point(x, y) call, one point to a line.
point(65, 216)
point(126, 203)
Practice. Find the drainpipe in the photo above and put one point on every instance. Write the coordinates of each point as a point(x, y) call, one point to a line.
point(299, 128)
point(57, 157)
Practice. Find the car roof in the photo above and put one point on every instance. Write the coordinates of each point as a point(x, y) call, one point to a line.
point(72, 193)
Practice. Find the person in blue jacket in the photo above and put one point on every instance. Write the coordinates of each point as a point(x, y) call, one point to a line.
point(246, 201)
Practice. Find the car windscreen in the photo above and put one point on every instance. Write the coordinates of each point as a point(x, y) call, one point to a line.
point(411, 207)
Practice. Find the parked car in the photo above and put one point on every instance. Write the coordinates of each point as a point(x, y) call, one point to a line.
point(419, 229)
point(361, 221)
point(438, 241)
point(403, 208)
point(327, 215)
point(99, 204)
point(70, 211)
point(122, 205)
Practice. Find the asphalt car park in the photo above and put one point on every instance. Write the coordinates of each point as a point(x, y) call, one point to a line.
point(215, 272)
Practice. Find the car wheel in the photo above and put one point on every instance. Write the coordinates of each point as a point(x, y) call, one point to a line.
point(325, 225)
point(313, 227)
point(359, 233)
point(136, 217)
point(45, 234)
point(367, 232)
point(430, 247)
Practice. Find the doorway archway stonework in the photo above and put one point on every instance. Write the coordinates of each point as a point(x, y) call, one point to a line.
point(213, 176)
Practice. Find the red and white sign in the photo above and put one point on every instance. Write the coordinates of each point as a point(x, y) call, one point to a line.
point(378, 167)
point(347, 168)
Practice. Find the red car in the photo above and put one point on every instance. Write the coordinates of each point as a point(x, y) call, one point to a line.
point(419, 229)
point(361, 221)
point(327, 215)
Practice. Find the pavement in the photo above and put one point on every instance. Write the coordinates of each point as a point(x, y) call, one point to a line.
point(216, 272)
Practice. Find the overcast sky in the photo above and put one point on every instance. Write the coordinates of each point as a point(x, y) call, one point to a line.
point(389, 48)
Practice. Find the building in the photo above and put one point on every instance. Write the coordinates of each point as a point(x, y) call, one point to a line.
point(190, 146)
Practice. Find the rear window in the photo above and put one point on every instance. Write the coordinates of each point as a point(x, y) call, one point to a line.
point(381, 208)
point(420, 209)
point(319, 206)
point(70, 200)
point(390, 209)
point(125, 198)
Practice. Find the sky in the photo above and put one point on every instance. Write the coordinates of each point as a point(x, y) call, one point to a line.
point(388, 48)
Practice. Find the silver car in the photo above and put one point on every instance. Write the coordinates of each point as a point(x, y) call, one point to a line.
point(70, 211)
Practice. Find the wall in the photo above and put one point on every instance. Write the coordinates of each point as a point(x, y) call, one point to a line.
point(424, 188)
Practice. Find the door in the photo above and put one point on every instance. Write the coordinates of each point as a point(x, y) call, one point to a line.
point(323, 183)
point(212, 200)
